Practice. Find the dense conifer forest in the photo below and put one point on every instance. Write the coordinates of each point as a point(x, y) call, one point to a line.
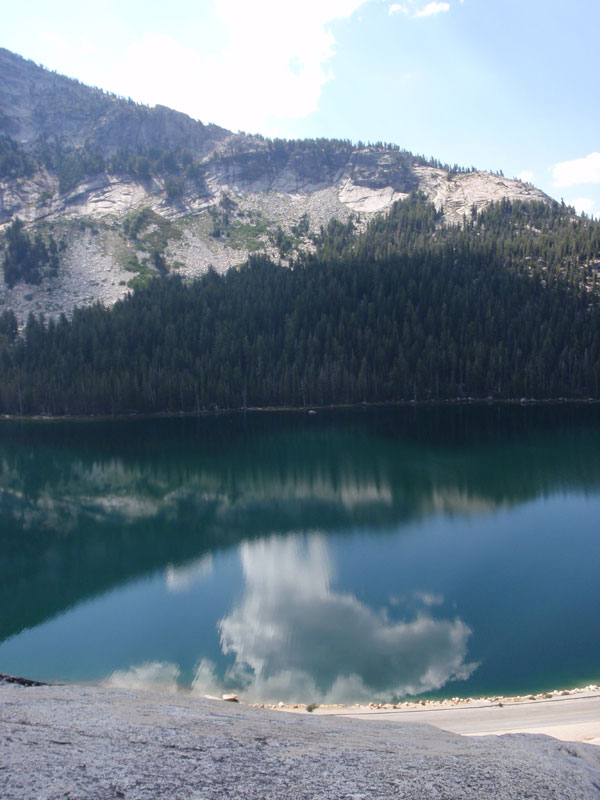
point(504, 306)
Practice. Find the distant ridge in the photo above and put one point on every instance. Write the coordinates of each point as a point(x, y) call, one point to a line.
point(125, 188)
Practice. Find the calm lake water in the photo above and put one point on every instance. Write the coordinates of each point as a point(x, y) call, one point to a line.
point(346, 556)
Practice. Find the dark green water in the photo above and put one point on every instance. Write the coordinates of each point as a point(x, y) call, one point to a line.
point(350, 555)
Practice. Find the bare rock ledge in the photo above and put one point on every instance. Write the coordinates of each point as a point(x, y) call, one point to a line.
point(85, 742)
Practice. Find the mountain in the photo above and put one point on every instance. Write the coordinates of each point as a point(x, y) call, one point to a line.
point(126, 192)
point(504, 306)
point(36, 104)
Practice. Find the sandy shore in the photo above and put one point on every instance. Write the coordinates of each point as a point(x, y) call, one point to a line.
point(570, 715)
point(572, 719)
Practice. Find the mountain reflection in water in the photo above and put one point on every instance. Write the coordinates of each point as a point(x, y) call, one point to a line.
point(92, 508)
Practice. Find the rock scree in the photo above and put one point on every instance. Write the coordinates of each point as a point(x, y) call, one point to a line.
point(87, 742)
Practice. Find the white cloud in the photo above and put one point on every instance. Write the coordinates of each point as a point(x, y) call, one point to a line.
point(78, 47)
point(526, 176)
point(289, 621)
point(415, 8)
point(579, 170)
point(432, 8)
point(273, 64)
point(583, 205)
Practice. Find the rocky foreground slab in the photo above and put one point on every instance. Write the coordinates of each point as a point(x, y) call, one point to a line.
point(85, 742)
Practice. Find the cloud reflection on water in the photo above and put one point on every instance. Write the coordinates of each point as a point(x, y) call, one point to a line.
point(295, 639)
point(159, 675)
point(179, 579)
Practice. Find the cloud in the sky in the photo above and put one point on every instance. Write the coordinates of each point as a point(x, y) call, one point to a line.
point(80, 47)
point(417, 9)
point(526, 176)
point(432, 8)
point(584, 205)
point(289, 621)
point(273, 63)
point(579, 170)
point(397, 8)
point(267, 62)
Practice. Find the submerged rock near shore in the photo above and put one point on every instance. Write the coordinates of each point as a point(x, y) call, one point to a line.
point(82, 742)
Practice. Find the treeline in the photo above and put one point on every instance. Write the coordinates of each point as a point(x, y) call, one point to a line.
point(72, 165)
point(505, 306)
point(287, 148)
point(544, 239)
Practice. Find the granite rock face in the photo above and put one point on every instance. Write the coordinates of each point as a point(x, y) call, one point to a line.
point(83, 742)
point(273, 184)
point(39, 106)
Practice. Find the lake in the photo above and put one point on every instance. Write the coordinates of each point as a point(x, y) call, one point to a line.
point(346, 556)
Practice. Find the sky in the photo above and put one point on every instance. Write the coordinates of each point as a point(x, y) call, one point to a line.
point(496, 84)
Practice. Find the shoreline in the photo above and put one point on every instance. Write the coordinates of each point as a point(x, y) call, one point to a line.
point(566, 715)
point(570, 715)
point(487, 701)
point(474, 701)
point(450, 402)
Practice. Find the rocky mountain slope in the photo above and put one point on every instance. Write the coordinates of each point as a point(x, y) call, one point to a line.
point(129, 190)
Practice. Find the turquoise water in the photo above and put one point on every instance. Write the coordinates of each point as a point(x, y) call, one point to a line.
point(346, 556)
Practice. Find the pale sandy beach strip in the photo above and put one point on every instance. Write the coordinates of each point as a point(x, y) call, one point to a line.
point(570, 715)
point(573, 717)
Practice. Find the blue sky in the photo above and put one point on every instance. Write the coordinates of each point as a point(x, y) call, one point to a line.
point(497, 84)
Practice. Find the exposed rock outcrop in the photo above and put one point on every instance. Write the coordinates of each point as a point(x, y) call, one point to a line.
point(272, 184)
point(82, 742)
